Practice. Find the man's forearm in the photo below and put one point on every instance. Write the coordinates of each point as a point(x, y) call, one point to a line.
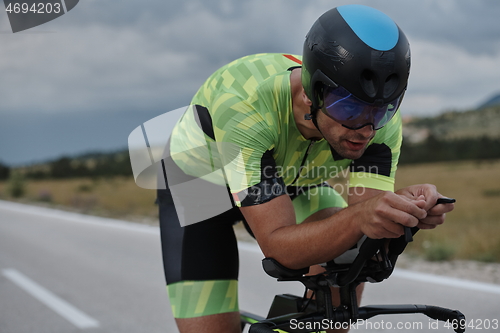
point(298, 246)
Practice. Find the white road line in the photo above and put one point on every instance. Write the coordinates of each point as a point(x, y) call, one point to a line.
point(60, 306)
point(447, 281)
point(79, 218)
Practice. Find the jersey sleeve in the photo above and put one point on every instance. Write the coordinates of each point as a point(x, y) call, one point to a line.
point(246, 142)
point(377, 167)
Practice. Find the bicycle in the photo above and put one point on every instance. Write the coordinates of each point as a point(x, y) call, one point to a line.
point(374, 263)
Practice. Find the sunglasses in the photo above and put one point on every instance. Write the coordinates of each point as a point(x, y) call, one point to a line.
point(353, 113)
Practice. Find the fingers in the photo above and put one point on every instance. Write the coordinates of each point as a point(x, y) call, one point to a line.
point(393, 211)
point(384, 229)
point(436, 216)
point(431, 222)
point(428, 191)
point(390, 213)
point(393, 230)
point(414, 209)
point(401, 218)
point(420, 201)
point(441, 209)
point(431, 195)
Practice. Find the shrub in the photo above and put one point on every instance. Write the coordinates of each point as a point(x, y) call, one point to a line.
point(16, 185)
point(4, 172)
point(439, 251)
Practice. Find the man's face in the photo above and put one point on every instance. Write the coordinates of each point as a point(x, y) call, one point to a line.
point(348, 143)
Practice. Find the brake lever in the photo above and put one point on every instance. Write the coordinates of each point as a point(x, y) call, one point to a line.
point(408, 233)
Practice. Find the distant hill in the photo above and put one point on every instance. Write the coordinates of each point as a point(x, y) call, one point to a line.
point(453, 136)
point(98, 164)
point(495, 100)
point(483, 122)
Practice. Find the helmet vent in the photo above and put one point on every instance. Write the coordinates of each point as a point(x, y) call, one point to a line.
point(391, 85)
point(369, 83)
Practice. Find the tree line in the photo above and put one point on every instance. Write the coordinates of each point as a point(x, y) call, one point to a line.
point(90, 165)
point(434, 149)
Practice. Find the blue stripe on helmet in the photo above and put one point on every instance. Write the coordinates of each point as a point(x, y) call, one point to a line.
point(374, 28)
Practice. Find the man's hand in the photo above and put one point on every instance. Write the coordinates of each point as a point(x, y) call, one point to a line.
point(385, 214)
point(428, 193)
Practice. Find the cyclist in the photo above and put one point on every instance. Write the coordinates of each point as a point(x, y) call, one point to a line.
point(274, 128)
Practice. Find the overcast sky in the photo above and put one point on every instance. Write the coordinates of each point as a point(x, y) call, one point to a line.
point(85, 80)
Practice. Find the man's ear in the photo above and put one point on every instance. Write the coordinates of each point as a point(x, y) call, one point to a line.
point(306, 99)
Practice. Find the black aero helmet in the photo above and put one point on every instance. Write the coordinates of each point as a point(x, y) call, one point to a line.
point(361, 51)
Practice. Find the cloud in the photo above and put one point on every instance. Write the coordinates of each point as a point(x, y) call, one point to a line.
point(102, 56)
point(445, 76)
point(150, 62)
point(97, 68)
point(145, 58)
point(470, 25)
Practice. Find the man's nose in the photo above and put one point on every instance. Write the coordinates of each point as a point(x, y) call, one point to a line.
point(366, 131)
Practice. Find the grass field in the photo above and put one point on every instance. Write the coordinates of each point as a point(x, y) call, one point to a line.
point(472, 230)
point(117, 197)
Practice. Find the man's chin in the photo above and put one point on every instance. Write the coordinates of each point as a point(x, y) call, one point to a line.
point(351, 154)
point(348, 152)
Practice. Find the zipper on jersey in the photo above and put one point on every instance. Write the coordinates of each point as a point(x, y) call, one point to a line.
point(304, 160)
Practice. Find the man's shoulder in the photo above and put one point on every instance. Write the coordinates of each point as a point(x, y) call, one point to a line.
point(258, 83)
point(286, 60)
point(259, 66)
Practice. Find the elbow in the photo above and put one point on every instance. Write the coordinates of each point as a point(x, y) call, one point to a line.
point(280, 246)
point(285, 258)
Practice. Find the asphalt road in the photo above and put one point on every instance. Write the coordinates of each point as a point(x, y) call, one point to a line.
point(64, 272)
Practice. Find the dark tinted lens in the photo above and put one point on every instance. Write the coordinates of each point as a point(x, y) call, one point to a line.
point(341, 105)
point(346, 109)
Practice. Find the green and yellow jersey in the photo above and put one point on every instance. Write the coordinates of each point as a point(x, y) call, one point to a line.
point(240, 131)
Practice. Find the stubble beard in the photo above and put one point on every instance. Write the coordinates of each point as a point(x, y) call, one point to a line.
point(339, 146)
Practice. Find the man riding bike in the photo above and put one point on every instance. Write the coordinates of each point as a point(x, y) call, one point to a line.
point(270, 129)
